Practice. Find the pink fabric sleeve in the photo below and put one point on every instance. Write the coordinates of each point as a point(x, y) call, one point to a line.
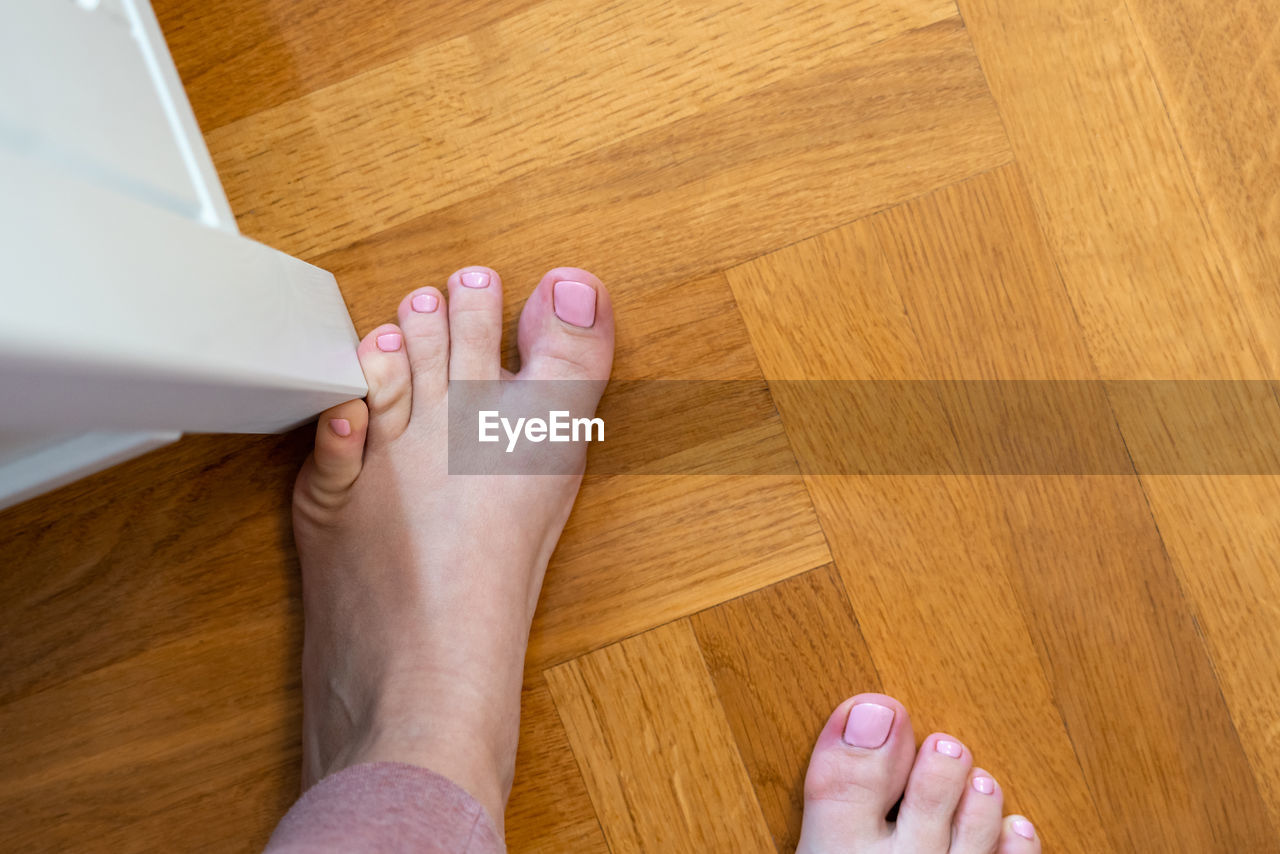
point(385, 807)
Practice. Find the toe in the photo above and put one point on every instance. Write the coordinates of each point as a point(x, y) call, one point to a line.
point(977, 821)
point(856, 773)
point(475, 324)
point(386, 370)
point(566, 328)
point(1018, 836)
point(335, 463)
point(426, 340)
point(937, 781)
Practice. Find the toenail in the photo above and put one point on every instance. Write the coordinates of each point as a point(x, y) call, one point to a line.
point(868, 725)
point(475, 279)
point(1023, 828)
point(575, 304)
point(341, 426)
point(389, 342)
point(424, 303)
point(985, 785)
point(948, 748)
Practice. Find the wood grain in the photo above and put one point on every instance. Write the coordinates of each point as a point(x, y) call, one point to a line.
point(527, 94)
point(1216, 69)
point(550, 810)
point(120, 759)
point(778, 687)
point(1223, 537)
point(240, 57)
point(658, 754)
point(1152, 285)
point(641, 551)
point(862, 190)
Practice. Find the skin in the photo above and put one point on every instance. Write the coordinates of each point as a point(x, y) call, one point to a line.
point(419, 586)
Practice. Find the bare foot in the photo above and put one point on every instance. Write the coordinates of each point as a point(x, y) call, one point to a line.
point(419, 586)
point(866, 760)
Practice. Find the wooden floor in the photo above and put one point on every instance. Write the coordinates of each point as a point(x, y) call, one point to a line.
point(827, 189)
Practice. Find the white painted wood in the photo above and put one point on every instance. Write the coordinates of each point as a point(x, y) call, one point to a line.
point(120, 311)
point(119, 314)
point(76, 92)
point(214, 208)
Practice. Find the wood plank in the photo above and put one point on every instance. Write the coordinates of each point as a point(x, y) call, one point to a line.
point(1147, 223)
point(191, 745)
point(847, 137)
point(549, 810)
point(641, 551)
point(1215, 64)
point(1129, 667)
point(195, 534)
point(1154, 290)
point(1223, 536)
point(1216, 68)
point(779, 685)
point(447, 122)
point(656, 750)
point(243, 56)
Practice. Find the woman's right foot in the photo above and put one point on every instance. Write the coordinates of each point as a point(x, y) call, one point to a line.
point(419, 584)
point(866, 761)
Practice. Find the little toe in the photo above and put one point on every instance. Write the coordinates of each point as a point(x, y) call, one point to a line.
point(937, 781)
point(386, 370)
point(335, 463)
point(475, 324)
point(423, 317)
point(856, 774)
point(977, 821)
point(1018, 836)
point(566, 328)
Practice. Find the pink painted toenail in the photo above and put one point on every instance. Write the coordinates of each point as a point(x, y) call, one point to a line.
point(389, 342)
point(1023, 828)
point(475, 279)
point(985, 785)
point(575, 303)
point(868, 725)
point(424, 303)
point(948, 748)
point(341, 426)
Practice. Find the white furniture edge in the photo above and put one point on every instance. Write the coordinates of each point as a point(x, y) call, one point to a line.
point(64, 462)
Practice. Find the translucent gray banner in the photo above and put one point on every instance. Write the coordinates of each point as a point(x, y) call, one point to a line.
point(866, 427)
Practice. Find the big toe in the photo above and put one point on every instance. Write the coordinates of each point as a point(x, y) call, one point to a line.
point(566, 328)
point(857, 772)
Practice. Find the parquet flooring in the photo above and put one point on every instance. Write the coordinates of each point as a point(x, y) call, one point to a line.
point(826, 190)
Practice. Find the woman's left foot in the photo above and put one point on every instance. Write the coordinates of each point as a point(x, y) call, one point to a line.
point(866, 761)
point(419, 585)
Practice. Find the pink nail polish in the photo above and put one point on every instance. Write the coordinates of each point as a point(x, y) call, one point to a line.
point(475, 279)
point(985, 785)
point(425, 303)
point(340, 426)
point(948, 748)
point(1023, 828)
point(389, 342)
point(868, 725)
point(574, 303)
